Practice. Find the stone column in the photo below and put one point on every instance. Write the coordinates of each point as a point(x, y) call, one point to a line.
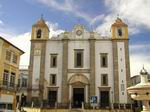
point(70, 93)
point(42, 71)
point(146, 107)
point(42, 47)
point(127, 62)
point(92, 64)
point(65, 89)
point(86, 93)
point(29, 90)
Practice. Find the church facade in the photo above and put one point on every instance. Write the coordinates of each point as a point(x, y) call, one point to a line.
point(76, 65)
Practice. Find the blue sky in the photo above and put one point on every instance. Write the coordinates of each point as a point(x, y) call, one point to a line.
point(17, 17)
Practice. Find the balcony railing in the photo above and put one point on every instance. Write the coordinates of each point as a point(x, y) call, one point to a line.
point(4, 85)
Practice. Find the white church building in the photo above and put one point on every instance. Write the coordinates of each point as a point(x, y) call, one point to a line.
point(76, 65)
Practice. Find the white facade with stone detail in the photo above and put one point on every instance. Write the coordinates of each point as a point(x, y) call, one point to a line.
point(69, 72)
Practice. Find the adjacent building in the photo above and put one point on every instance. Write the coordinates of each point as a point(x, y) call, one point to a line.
point(137, 79)
point(9, 72)
point(76, 65)
point(22, 85)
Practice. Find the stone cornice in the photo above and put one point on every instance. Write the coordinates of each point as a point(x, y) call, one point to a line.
point(78, 70)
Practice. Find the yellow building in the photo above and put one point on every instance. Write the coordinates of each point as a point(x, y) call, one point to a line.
point(9, 71)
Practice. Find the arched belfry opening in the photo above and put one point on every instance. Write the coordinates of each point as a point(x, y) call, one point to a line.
point(39, 33)
point(120, 32)
point(78, 90)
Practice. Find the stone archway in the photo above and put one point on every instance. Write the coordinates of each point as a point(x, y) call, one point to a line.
point(78, 89)
point(78, 78)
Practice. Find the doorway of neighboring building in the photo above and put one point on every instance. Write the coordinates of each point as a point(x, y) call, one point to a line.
point(78, 97)
point(23, 99)
point(52, 98)
point(104, 99)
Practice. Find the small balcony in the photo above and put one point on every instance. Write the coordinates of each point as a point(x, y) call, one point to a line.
point(4, 85)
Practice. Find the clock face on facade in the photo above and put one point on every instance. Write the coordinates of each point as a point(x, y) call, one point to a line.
point(79, 32)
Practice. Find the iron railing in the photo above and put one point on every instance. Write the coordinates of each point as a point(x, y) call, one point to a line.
point(71, 105)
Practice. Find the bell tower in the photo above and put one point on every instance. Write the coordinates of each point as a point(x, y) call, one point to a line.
point(119, 29)
point(121, 64)
point(40, 30)
point(39, 37)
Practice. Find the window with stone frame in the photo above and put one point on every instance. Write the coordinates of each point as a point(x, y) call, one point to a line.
point(104, 79)
point(53, 59)
point(53, 79)
point(18, 85)
point(12, 79)
point(78, 58)
point(8, 55)
point(104, 59)
point(5, 77)
point(24, 82)
point(14, 59)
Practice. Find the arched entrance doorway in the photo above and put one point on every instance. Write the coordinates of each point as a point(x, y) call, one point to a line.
point(78, 90)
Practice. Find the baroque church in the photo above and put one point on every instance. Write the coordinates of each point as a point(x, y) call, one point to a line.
point(76, 65)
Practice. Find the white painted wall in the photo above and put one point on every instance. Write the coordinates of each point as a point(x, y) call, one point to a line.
point(36, 69)
point(78, 45)
point(103, 47)
point(36, 74)
point(54, 47)
point(122, 73)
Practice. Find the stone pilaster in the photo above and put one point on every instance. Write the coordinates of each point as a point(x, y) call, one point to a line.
point(65, 88)
point(127, 62)
point(29, 91)
point(92, 64)
point(42, 70)
point(115, 71)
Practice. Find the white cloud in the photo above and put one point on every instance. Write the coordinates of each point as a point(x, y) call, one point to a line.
point(1, 22)
point(22, 41)
point(54, 29)
point(71, 7)
point(6, 32)
point(104, 28)
point(137, 62)
point(139, 47)
point(135, 13)
point(97, 18)
point(139, 57)
point(67, 6)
